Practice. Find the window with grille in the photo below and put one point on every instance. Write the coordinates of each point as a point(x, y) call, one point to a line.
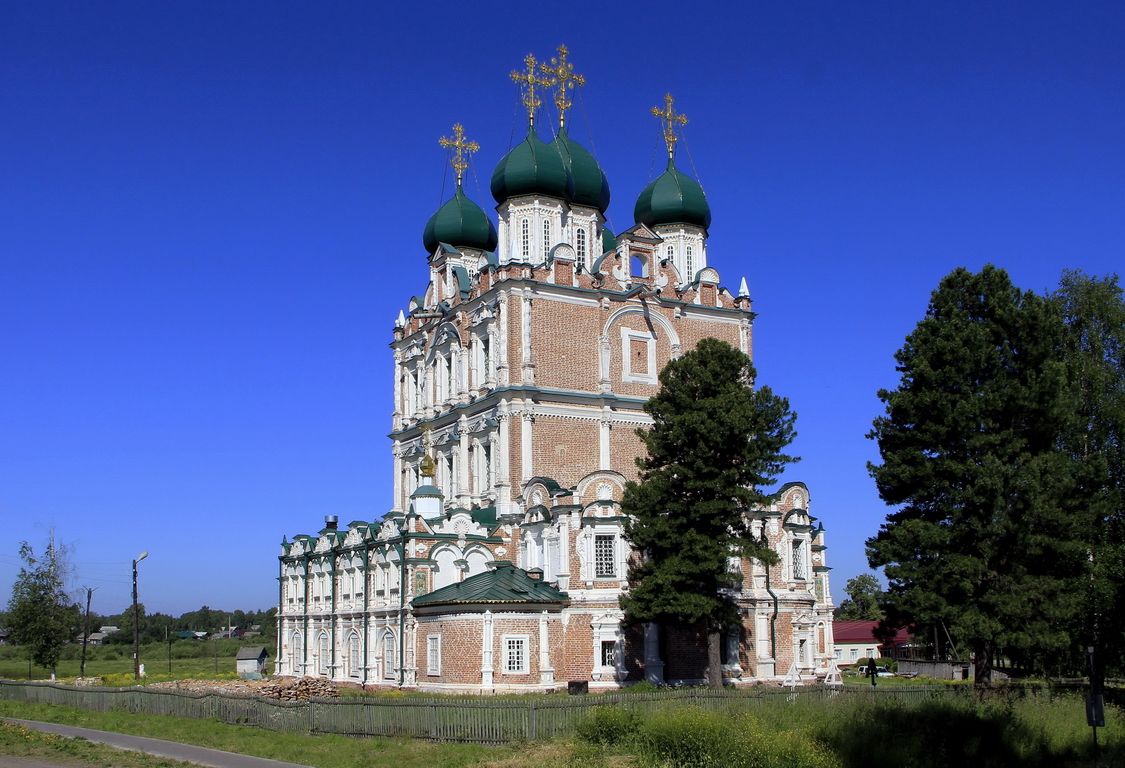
point(580, 247)
point(690, 262)
point(799, 560)
point(609, 653)
point(525, 235)
point(433, 655)
point(546, 236)
point(605, 563)
point(486, 358)
point(669, 253)
point(515, 655)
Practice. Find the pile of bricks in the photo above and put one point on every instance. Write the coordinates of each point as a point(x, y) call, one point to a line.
point(302, 690)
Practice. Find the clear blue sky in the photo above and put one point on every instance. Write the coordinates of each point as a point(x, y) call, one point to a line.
point(211, 213)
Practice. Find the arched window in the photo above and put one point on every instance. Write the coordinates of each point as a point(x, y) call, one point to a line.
point(323, 660)
point(669, 253)
point(525, 235)
point(546, 236)
point(296, 650)
point(638, 267)
point(580, 247)
point(486, 468)
point(446, 572)
point(354, 665)
point(477, 560)
point(389, 660)
point(690, 263)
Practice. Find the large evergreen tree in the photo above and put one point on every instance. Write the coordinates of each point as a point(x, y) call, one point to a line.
point(715, 443)
point(1093, 312)
point(969, 444)
point(42, 616)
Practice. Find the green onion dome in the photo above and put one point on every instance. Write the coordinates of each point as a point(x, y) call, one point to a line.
point(591, 187)
point(609, 242)
point(532, 168)
point(460, 223)
point(674, 198)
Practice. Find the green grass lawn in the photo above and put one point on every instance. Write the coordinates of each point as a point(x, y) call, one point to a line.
point(1001, 729)
point(322, 751)
point(190, 659)
point(18, 741)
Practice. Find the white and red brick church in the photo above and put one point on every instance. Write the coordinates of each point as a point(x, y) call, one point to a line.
point(520, 377)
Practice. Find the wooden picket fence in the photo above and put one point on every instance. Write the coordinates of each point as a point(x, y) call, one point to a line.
point(484, 720)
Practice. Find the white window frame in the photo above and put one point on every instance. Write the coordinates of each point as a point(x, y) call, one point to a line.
point(602, 645)
point(798, 557)
point(433, 654)
point(525, 235)
point(580, 247)
point(629, 335)
point(324, 653)
point(525, 667)
point(355, 663)
point(613, 556)
point(389, 660)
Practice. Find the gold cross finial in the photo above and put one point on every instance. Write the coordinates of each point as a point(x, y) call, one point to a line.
point(461, 147)
point(560, 73)
point(670, 120)
point(528, 82)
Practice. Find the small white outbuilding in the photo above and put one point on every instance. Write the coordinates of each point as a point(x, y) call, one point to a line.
point(251, 661)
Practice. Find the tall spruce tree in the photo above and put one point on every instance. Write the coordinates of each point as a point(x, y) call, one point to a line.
point(1093, 312)
point(969, 444)
point(716, 441)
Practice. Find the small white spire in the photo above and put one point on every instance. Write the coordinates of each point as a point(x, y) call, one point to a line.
point(400, 321)
point(743, 290)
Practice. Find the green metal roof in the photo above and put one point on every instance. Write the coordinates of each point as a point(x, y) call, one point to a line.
point(505, 583)
point(532, 168)
point(591, 187)
point(485, 516)
point(674, 198)
point(609, 242)
point(461, 223)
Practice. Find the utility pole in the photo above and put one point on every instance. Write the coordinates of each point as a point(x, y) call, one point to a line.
point(85, 631)
point(136, 622)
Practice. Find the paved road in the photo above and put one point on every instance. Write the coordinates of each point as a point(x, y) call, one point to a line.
point(213, 758)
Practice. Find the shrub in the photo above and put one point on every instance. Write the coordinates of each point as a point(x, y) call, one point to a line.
point(694, 738)
point(608, 725)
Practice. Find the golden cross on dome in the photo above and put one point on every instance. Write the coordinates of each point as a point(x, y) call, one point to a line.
point(528, 82)
point(670, 120)
point(461, 147)
point(560, 72)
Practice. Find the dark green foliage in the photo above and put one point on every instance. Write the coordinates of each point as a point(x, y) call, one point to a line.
point(862, 603)
point(970, 453)
point(1093, 347)
point(715, 442)
point(41, 616)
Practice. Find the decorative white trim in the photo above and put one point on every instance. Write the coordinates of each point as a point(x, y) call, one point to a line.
point(525, 667)
point(648, 376)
